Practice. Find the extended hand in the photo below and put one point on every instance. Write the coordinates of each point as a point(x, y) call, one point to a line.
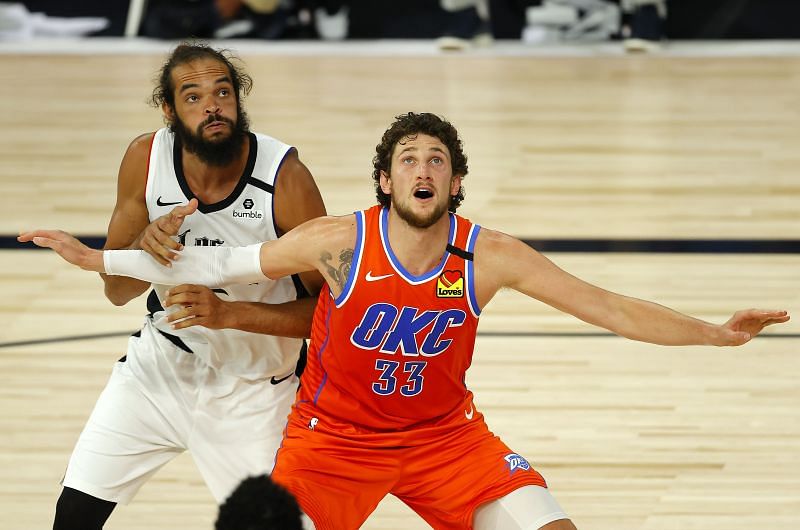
point(69, 248)
point(157, 238)
point(200, 306)
point(746, 324)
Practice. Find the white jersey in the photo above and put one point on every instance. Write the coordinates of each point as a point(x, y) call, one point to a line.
point(243, 218)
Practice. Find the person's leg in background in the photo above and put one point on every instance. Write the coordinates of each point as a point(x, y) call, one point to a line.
point(467, 23)
point(572, 20)
point(332, 20)
point(508, 17)
point(646, 24)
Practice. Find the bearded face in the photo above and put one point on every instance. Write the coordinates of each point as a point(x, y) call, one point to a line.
point(217, 140)
point(420, 181)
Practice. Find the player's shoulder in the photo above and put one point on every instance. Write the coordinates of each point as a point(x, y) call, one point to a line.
point(273, 145)
point(328, 230)
point(493, 239)
point(329, 234)
point(494, 246)
point(333, 226)
point(266, 137)
point(133, 170)
point(140, 146)
point(291, 162)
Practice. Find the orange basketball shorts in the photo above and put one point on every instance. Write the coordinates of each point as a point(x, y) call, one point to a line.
point(443, 472)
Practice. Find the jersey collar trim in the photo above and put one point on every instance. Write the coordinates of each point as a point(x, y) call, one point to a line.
point(398, 267)
point(177, 160)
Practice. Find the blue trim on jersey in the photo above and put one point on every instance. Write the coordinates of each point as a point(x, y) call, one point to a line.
point(473, 301)
point(319, 355)
point(275, 185)
point(350, 283)
point(384, 229)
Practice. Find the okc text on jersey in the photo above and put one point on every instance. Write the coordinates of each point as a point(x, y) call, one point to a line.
point(409, 330)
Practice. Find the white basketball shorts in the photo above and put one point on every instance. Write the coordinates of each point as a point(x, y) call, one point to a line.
point(161, 401)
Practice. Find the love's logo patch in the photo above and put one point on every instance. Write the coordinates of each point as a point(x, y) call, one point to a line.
point(450, 284)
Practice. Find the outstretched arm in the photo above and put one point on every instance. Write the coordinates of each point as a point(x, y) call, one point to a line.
point(302, 249)
point(209, 266)
point(513, 264)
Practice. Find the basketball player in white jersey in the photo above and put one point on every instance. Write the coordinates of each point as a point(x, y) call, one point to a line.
point(214, 372)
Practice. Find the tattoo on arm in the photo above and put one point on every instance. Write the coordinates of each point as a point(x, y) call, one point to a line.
point(340, 273)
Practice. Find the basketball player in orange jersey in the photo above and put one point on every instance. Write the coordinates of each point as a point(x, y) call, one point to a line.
point(383, 407)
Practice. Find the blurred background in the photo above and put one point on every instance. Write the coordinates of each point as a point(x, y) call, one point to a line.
point(529, 20)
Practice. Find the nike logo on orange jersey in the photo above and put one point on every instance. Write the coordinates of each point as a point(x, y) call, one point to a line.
point(370, 278)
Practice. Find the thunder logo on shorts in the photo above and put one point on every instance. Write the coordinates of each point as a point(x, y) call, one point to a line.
point(516, 462)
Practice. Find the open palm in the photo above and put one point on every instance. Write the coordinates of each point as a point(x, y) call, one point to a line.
point(68, 247)
point(746, 324)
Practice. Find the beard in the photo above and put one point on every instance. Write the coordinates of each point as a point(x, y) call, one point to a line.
point(216, 152)
point(420, 221)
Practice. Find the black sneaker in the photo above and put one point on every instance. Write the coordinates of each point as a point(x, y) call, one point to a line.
point(646, 30)
point(464, 29)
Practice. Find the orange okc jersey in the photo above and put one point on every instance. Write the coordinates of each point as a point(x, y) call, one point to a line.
point(391, 351)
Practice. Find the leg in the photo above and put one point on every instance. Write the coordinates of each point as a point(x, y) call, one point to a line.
point(527, 508)
point(308, 524)
point(238, 427)
point(337, 481)
point(463, 467)
point(118, 452)
point(646, 25)
point(76, 510)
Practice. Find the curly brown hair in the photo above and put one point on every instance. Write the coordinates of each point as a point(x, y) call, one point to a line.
point(410, 125)
point(186, 52)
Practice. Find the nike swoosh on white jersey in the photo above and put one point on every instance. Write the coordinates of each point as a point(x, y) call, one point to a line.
point(370, 278)
point(470, 413)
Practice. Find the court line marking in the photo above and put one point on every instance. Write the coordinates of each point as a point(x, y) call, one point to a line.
point(493, 334)
point(655, 246)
